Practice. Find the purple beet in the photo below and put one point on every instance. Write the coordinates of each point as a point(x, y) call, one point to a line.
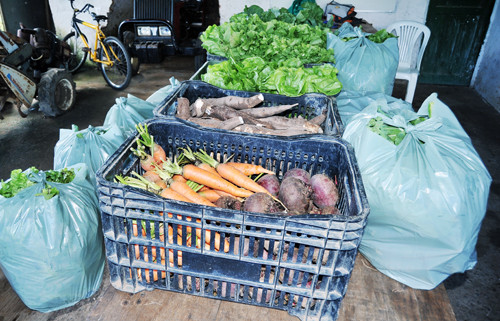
point(228, 202)
point(295, 195)
point(260, 203)
point(271, 183)
point(299, 173)
point(324, 191)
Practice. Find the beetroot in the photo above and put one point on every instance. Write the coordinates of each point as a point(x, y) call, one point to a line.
point(271, 183)
point(295, 195)
point(260, 203)
point(228, 202)
point(324, 191)
point(299, 173)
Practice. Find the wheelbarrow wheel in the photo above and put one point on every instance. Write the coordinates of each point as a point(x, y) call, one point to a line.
point(56, 92)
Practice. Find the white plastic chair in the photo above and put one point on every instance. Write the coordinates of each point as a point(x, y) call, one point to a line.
point(412, 40)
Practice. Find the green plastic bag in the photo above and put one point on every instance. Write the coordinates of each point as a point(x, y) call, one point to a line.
point(362, 64)
point(350, 103)
point(52, 251)
point(164, 93)
point(127, 112)
point(427, 194)
point(91, 146)
point(297, 6)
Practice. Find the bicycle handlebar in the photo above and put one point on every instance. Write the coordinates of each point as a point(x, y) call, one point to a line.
point(86, 8)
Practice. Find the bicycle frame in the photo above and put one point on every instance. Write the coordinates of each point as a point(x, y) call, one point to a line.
point(99, 36)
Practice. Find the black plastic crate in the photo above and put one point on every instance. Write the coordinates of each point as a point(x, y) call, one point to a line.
point(216, 59)
point(212, 57)
point(309, 105)
point(300, 264)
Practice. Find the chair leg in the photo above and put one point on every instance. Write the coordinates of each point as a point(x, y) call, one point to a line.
point(410, 91)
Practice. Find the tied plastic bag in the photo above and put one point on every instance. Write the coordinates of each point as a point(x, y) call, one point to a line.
point(428, 194)
point(164, 93)
point(91, 146)
point(351, 103)
point(52, 251)
point(364, 65)
point(127, 112)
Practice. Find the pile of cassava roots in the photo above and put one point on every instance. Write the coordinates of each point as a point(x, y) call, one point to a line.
point(243, 114)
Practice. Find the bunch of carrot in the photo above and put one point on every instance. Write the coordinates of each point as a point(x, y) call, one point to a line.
point(193, 177)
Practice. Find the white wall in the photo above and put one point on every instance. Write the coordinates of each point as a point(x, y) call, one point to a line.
point(62, 13)
point(486, 78)
point(379, 13)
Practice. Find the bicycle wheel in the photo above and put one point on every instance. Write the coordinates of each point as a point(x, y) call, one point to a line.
point(119, 73)
point(78, 55)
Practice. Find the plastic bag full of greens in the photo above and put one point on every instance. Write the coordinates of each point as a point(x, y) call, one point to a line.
point(427, 188)
point(350, 103)
point(51, 242)
point(91, 146)
point(365, 62)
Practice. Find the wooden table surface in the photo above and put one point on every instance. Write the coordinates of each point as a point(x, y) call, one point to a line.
point(370, 296)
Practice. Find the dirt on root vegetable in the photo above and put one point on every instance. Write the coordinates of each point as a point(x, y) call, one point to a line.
point(247, 115)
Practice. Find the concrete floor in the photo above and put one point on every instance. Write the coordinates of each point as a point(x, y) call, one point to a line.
point(30, 141)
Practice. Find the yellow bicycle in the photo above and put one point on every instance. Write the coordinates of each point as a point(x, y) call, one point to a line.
point(108, 52)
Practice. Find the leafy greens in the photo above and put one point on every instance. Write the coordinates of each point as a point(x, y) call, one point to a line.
point(288, 77)
point(310, 13)
point(377, 37)
point(392, 133)
point(20, 180)
point(274, 40)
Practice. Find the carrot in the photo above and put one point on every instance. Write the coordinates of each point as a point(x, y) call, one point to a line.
point(200, 176)
point(179, 178)
point(203, 177)
point(174, 195)
point(208, 168)
point(184, 189)
point(216, 242)
point(139, 182)
point(231, 174)
point(210, 195)
point(187, 153)
point(147, 161)
point(162, 184)
point(204, 188)
point(250, 169)
point(235, 176)
point(151, 176)
point(147, 140)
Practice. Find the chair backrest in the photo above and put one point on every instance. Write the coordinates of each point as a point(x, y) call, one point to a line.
point(412, 40)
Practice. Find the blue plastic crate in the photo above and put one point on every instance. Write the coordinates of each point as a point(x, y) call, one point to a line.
point(300, 264)
point(309, 105)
